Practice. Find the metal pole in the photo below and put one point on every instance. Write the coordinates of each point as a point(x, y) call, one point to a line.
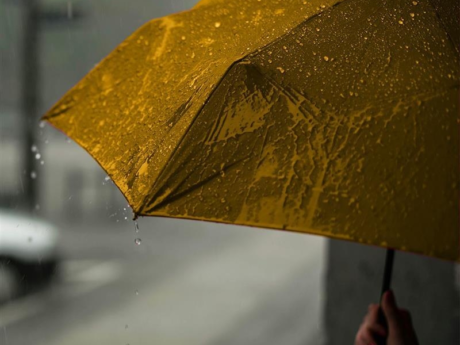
point(30, 99)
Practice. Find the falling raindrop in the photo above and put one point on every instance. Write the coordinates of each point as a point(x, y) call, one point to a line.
point(41, 124)
point(68, 140)
point(137, 293)
point(138, 241)
point(33, 175)
point(136, 226)
point(42, 162)
point(69, 10)
point(38, 156)
point(34, 148)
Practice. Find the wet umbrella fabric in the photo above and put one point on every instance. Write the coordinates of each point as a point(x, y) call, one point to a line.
point(336, 118)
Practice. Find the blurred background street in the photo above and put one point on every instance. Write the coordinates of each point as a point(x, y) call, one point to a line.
point(171, 281)
point(184, 284)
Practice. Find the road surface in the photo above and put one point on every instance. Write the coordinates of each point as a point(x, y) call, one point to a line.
point(186, 283)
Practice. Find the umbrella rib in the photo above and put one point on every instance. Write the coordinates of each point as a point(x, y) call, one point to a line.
point(451, 40)
point(173, 152)
point(172, 198)
point(290, 96)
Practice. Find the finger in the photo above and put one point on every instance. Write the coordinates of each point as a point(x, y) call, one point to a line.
point(407, 321)
point(372, 314)
point(371, 320)
point(391, 312)
point(365, 337)
point(406, 318)
point(378, 329)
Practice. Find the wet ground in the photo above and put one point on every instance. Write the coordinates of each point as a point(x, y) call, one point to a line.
point(186, 283)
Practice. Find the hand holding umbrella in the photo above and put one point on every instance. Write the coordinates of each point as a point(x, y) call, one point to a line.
point(400, 330)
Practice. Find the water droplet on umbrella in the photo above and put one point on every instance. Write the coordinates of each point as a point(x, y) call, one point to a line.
point(138, 241)
point(415, 3)
point(217, 24)
point(33, 175)
point(326, 58)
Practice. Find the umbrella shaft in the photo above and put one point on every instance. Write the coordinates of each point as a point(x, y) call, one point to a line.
point(385, 287)
point(388, 271)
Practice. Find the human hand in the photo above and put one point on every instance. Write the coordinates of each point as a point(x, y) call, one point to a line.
point(400, 330)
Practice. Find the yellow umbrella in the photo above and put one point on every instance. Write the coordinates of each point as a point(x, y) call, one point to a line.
point(336, 118)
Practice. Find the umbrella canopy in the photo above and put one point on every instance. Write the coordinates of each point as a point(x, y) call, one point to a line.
point(337, 118)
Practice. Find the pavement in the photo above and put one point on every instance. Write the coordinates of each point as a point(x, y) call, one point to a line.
point(186, 283)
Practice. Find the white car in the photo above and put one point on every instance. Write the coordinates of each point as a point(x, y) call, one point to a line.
point(28, 253)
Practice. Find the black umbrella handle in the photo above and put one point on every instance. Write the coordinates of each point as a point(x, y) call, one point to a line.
point(385, 287)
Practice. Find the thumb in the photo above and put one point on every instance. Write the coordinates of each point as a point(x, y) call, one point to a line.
point(391, 312)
